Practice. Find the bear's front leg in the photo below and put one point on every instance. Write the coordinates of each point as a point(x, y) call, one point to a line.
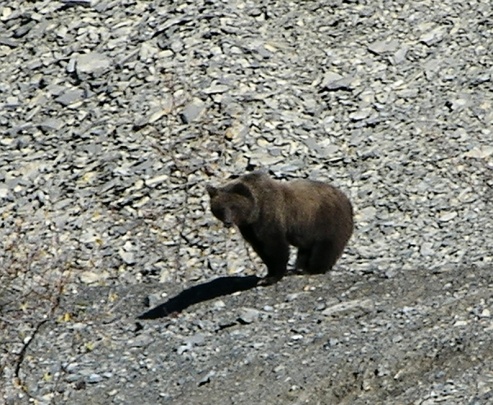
point(275, 254)
point(272, 247)
point(267, 281)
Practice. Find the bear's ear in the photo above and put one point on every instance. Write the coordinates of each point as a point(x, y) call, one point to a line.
point(211, 190)
point(242, 189)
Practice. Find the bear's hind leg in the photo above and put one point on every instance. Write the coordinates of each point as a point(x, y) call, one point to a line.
point(323, 256)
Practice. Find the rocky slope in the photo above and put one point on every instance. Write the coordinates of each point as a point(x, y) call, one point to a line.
point(115, 114)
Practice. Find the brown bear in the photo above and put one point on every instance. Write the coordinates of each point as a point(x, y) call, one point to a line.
point(315, 217)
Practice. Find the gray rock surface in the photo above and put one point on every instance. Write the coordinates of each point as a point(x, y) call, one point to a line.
point(114, 116)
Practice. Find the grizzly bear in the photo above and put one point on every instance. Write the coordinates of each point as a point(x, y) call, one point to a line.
point(315, 217)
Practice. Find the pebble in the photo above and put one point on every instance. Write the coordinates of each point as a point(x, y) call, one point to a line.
point(195, 340)
point(95, 378)
point(482, 152)
point(380, 47)
point(52, 124)
point(91, 277)
point(93, 63)
point(348, 306)
point(249, 315)
point(70, 96)
point(193, 111)
point(427, 249)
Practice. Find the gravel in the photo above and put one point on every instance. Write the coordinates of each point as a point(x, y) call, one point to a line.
point(114, 117)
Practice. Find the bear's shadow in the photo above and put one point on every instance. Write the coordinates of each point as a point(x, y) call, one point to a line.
point(200, 293)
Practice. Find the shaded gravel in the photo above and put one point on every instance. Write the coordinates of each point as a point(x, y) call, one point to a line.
point(115, 114)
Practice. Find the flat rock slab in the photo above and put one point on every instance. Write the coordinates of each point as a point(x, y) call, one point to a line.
point(92, 63)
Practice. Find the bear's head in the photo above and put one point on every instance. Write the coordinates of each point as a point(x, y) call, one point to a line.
point(233, 204)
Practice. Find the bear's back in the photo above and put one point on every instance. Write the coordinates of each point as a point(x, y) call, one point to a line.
point(314, 209)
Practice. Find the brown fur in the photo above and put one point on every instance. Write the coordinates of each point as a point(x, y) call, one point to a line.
point(315, 217)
